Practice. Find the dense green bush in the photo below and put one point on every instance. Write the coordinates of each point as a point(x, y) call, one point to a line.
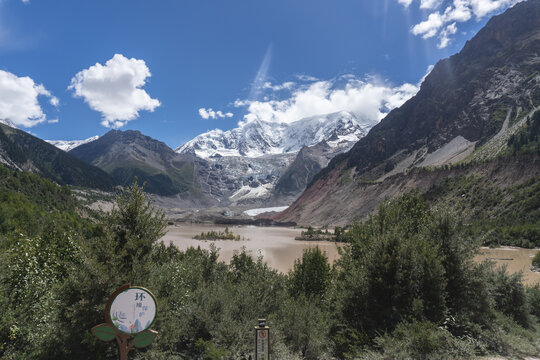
point(509, 295)
point(311, 274)
point(421, 340)
point(409, 264)
point(399, 267)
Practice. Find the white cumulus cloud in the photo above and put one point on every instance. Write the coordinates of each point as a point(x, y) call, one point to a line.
point(444, 36)
point(19, 104)
point(429, 4)
point(369, 99)
point(429, 28)
point(115, 89)
point(443, 23)
point(211, 114)
point(285, 86)
point(405, 3)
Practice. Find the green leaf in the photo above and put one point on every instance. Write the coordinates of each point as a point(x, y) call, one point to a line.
point(104, 332)
point(143, 339)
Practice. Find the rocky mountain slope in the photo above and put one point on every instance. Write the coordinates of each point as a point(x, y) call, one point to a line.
point(467, 109)
point(307, 163)
point(494, 181)
point(240, 180)
point(125, 154)
point(245, 165)
point(22, 151)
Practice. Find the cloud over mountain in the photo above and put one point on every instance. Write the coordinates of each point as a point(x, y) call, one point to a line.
point(115, 89)
point(211, 114)
point(443, 22)
point(370, 99)
point(19, 104)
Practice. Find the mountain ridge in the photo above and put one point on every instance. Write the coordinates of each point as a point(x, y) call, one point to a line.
point(259, 138)
point(227, 179)
point(462, 104)
point(126, 154)
point(23, 151)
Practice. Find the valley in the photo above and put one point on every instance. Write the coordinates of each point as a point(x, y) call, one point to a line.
point(277, 247)
point(255, 164)
point(431, 189)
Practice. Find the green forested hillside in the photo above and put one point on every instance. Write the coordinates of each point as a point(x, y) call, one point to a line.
point(31, 153)
point(405, 287)
point(30, 203)
point(528, 138)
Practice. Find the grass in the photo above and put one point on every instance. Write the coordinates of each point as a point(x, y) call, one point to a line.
point(345, 176)
point(496, 120)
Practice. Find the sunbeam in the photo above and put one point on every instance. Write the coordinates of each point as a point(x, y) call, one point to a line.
point(260, 78)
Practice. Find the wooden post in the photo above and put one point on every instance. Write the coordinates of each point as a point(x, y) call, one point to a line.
point(124, 345)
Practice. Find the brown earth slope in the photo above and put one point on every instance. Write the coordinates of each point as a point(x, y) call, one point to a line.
point(339, 201)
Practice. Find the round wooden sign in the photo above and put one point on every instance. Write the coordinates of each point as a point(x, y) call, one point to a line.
point(133, 310)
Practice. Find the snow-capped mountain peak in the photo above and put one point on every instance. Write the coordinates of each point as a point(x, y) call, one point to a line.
point(258, 138)
point(68, 145)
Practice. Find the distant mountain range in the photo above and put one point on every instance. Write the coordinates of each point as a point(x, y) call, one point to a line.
point(240, 166)
point(68, 145)
point(471, 108)
point(258, 138)
point(246, 164)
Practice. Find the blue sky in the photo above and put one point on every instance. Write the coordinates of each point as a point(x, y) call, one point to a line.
point(174, 69)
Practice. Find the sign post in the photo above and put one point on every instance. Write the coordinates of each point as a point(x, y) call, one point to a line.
point(262, 341)
point(129, 313)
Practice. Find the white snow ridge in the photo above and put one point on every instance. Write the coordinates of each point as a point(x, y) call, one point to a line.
point(258, 138)
point(255, 212)
point(68, 145)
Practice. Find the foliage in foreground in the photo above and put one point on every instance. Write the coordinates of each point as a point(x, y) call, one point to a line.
point(406, 287)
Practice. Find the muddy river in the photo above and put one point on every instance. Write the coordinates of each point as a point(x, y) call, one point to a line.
point(275, 244)
point(279, 249)
point(515, 259)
